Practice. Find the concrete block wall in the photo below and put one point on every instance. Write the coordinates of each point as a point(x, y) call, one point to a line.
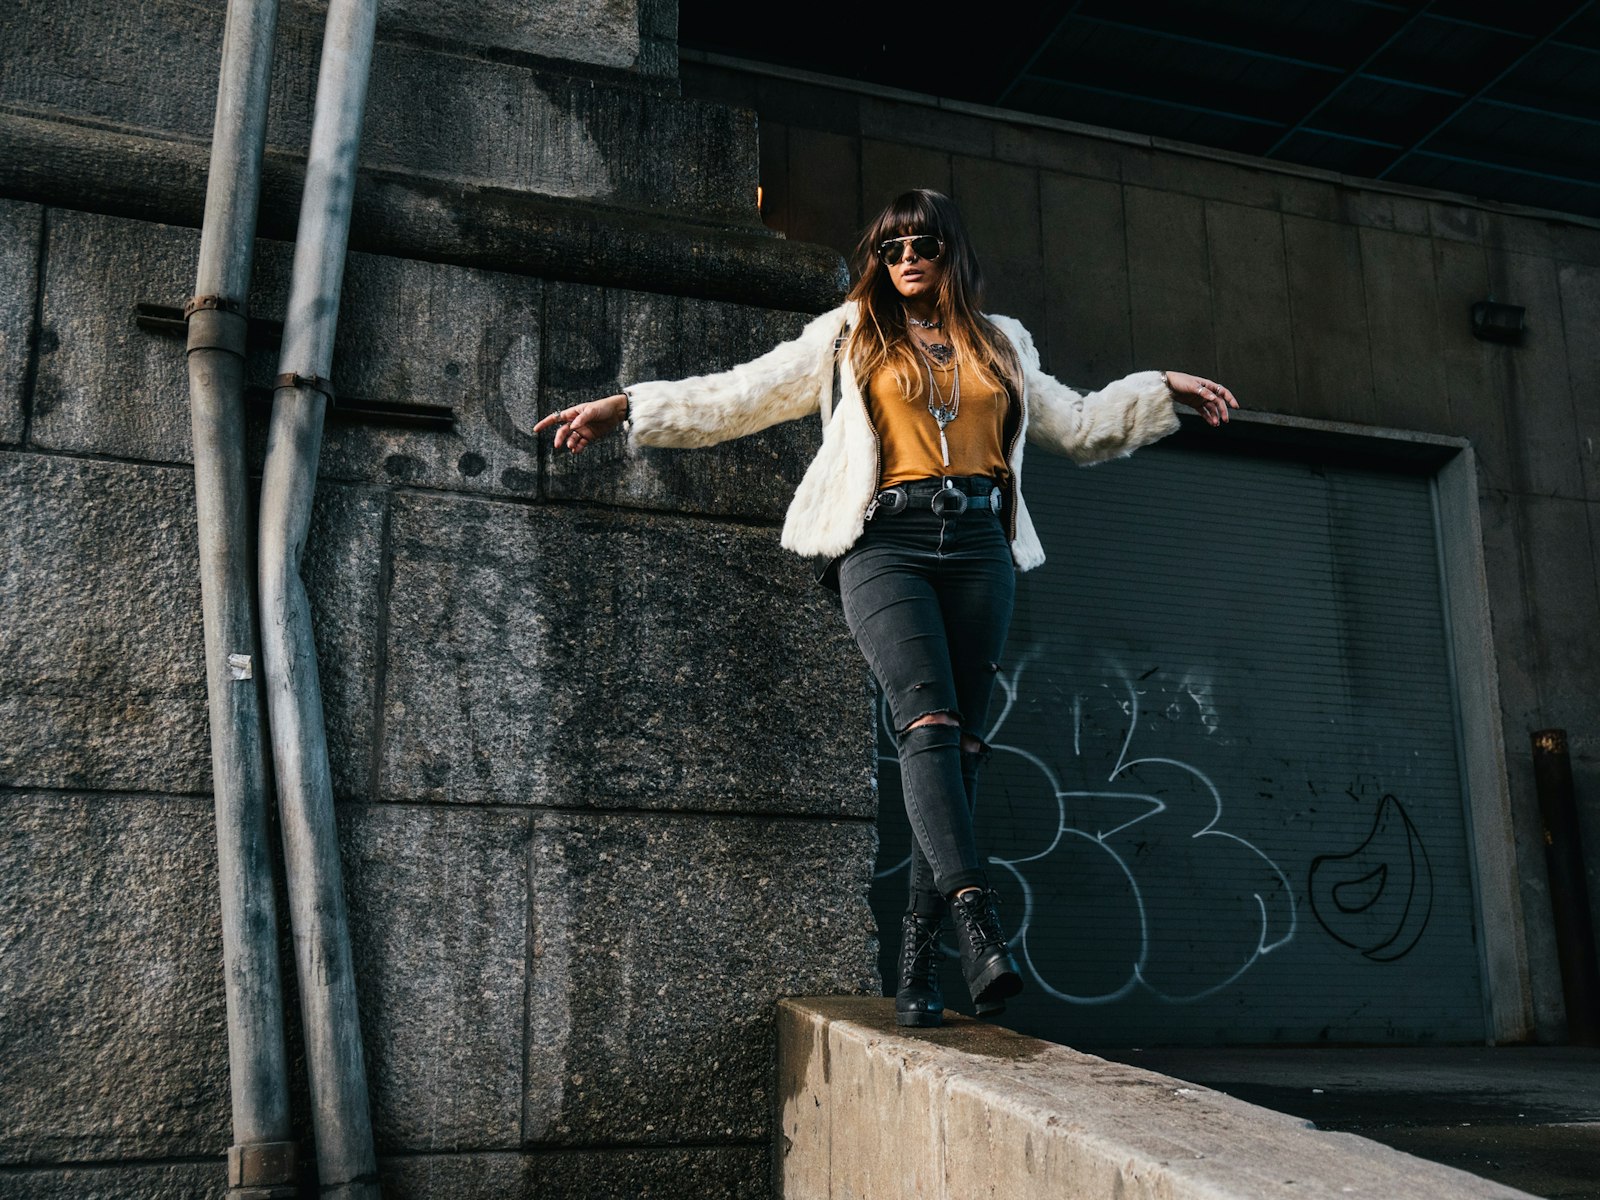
point(1308, 294)
point(601, 750)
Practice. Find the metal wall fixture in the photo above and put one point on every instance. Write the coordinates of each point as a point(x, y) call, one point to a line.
point(1496, 322)
point(262, 335)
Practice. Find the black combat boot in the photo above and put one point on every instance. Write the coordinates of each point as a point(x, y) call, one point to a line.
point(986, 960)
point(919, 1001)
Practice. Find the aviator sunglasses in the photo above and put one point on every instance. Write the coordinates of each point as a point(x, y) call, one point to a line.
point(924, 245)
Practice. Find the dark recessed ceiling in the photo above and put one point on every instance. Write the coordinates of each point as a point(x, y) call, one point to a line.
point(1500, 100)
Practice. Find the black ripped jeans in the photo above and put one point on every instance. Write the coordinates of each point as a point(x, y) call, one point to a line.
point(929, 600)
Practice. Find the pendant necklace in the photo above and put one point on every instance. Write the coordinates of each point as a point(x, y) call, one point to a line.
point(943, 409)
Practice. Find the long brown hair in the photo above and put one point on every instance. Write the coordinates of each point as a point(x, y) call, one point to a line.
point(881, 338)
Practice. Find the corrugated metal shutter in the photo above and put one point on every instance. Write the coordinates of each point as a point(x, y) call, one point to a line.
point(1225, 799)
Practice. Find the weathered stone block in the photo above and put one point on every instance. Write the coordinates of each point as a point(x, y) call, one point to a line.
point(660, 946)
point(170, 1181)
point(603, 32)
point(20, 226)
point(420, 333)
point(105, 385)
point(597, 341)
point(102, 680)
point(438, 927)
point(437, 111)
point(343, 566)
point(704, 1172)
point(410, 332)
point(556, 136)
point(114, 1042)
point(573, 656)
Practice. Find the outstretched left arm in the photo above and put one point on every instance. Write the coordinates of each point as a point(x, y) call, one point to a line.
point(1119, 418)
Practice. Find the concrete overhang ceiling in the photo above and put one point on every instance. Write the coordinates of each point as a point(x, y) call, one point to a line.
point(1499, 100)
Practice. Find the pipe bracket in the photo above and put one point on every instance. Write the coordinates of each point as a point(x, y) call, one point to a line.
point(215, 327)
point(195, 304)
point(315, 382)
point(261, 1165)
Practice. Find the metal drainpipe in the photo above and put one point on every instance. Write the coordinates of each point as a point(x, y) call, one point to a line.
point(261, 1161)
point(346, 1164)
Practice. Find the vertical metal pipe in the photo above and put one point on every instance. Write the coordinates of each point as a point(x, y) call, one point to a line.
point(1569, 893)
point(261, 1160)
point(346, 1164)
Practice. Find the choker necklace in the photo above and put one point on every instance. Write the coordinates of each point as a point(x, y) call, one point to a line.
point(936, 323)
point(943, 409)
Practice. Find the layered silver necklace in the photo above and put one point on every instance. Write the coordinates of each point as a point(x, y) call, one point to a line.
point(943, 408)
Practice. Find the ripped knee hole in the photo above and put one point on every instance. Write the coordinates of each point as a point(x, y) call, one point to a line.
point(938, 718)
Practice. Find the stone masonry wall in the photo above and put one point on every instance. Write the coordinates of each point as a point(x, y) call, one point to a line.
point(601, 750)
point(602, 767)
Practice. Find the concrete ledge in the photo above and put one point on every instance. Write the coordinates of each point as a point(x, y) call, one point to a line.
point(58, 160)
point(869, 1111)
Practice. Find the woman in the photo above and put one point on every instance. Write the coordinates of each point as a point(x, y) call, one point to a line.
point(915, 501)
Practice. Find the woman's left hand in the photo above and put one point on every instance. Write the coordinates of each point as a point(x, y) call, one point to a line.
point(1211, 400)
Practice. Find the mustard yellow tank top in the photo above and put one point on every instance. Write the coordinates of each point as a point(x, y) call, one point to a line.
point(908, 436)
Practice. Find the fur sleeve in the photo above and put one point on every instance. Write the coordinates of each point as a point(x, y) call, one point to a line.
point(1115, 421)
point(783, 384)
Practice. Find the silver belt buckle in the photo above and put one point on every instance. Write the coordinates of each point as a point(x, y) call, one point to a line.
point(996, 498)
point(949, 501)
point(891, 500)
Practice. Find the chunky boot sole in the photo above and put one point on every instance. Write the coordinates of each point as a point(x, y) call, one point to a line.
point(919, 1020)
point(991, 989)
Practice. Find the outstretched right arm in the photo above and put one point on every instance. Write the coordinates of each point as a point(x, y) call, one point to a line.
point(783, 384)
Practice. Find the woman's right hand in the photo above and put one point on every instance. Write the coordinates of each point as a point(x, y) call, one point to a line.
point(583, 424)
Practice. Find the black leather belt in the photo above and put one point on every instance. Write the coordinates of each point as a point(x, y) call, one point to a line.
point(946, 497)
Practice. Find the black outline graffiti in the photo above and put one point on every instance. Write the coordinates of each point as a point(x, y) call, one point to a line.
point(1378, 875)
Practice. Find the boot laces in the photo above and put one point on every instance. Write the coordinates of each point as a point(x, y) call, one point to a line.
point(919, 951)
point(981, 921)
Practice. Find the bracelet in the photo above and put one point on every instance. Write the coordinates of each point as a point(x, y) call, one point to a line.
point(627, 409)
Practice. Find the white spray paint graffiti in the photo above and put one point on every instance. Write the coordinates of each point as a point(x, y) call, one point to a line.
point(1275, 903)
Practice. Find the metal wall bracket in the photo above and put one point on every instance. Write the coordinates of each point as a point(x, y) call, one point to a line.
point(166, 321)
point(315, 382)
point(261, 1171)
point(216, 323)
point(198, 303)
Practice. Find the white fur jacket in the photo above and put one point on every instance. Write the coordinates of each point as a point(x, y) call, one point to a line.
point(829, 509)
